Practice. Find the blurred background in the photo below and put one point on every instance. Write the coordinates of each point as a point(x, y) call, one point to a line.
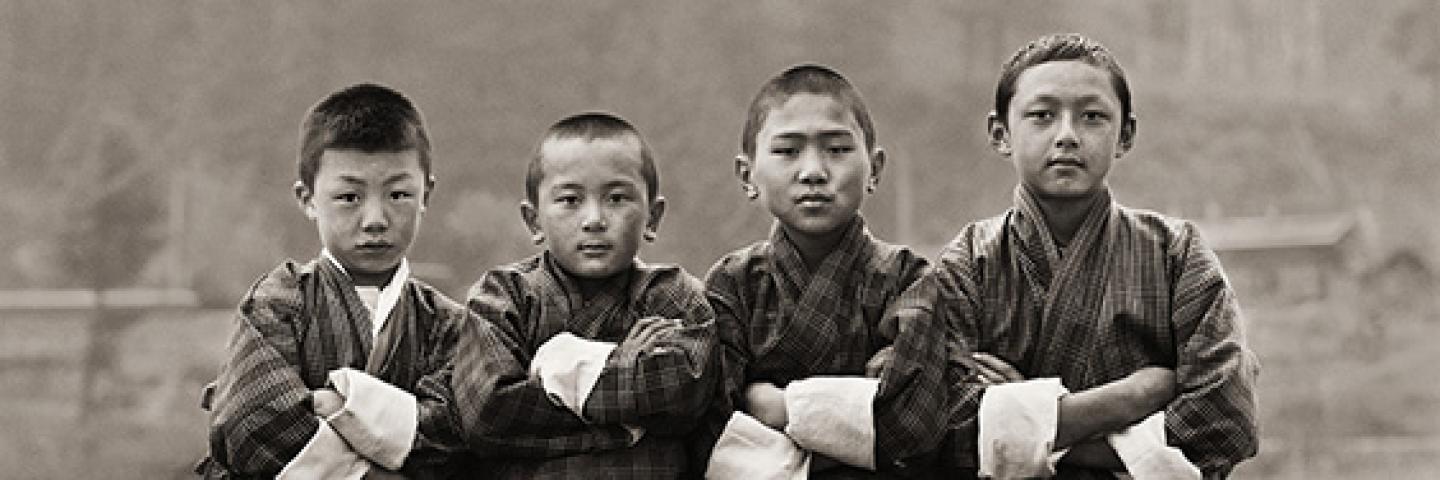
point(148, 148)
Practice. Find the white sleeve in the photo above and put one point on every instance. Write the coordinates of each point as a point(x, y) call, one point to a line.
point(834, 416)
point(569, 366)
point(1146, 456)
point(1018, 422)
point(378, 419)
point(749, 450)
point(325, 456)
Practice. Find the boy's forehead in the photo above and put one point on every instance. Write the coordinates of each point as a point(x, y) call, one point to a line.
point(581, 160)
point(805, 111)
point(337, 162)
point(1065, 78)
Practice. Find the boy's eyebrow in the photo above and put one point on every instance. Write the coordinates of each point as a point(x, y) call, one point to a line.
point(1050, 98)
point(397, 178)
point(838, 132)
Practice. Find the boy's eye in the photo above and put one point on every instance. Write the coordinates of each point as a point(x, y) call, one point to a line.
point(618, 197)
point(1039, 115)
point(784, 151)
point(567, 199)
point(841, 149)
point(346, 197)
point(1094, 116)
point(401, 195)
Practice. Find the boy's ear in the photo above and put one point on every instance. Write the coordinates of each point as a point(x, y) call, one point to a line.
point(877, 164)
point(429, 187)
point(303, 197)
point(532, 221)
point(1127, 135)
point(652, 224)
point(743, 166)
point(999, 134)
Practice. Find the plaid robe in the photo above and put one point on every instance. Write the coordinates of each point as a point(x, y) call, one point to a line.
point(662, 387)
point(779, 322)
point(1133, 289)
point(297, 324)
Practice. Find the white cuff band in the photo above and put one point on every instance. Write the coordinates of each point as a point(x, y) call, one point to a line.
point(1146, 455)
point(834, 416)
point(1017, 428)
point(749, 450)
point(569, 366)
point(325, 456)
point(378, 420)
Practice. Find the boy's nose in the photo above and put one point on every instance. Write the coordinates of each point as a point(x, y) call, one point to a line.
point(1066, 137)
point(594, 220)
point(373, 218)
point(812, 170)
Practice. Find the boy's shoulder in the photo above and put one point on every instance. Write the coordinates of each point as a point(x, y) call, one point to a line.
point(977, 240)
point(667, 277)
point(283, 288)
point(744, 262)
point(433, 301)
point(1173, 234)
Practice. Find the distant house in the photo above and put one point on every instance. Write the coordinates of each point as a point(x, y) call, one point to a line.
point(1290, 258)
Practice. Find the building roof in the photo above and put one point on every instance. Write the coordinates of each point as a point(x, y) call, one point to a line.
point(1277, 231)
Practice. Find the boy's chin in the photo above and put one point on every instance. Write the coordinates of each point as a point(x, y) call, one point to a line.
point(595, 270)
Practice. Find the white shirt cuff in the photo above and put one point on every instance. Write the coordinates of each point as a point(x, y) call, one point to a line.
point(749, 450)
point(378, 419)
point(569, 366)
point(1017, 429)
point(326, 455)
point(1146, 456)
point(834, 416)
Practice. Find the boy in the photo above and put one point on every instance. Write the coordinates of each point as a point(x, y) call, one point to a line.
point(339, 367)
point(1122, 317)
point(799, 314)
point(585, 361)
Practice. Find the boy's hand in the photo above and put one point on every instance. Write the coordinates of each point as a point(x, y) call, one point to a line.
point(766, 403)
point(879, 362)
point(991, 370)
point(326, 401)
point(1154, 388)
point(648, 329)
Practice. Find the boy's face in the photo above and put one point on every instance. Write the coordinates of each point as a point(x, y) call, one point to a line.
point(367, 207)
point(1063, 129)
point(811, 168)
point(592, 205)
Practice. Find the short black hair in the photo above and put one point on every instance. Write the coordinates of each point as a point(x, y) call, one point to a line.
point(805, 78)
point(591, 126)
point(365, 117)
point(1054, 48)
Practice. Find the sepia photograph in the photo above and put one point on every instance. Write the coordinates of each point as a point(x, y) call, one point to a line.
point(1087, 239)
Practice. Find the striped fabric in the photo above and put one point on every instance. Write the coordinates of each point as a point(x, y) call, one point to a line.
point(1133, 289)
point(779, 322)
point(297, 324)
point(662, 386)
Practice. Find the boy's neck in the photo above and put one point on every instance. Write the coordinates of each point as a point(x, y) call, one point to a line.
point(814, 247)
point(373, 279)
point(1064, 216)
point(589, 287)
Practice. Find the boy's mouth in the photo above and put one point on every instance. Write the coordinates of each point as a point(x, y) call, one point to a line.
point(594, 248)
point(814, 200)
point(374, 247)
point(1065, 162)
